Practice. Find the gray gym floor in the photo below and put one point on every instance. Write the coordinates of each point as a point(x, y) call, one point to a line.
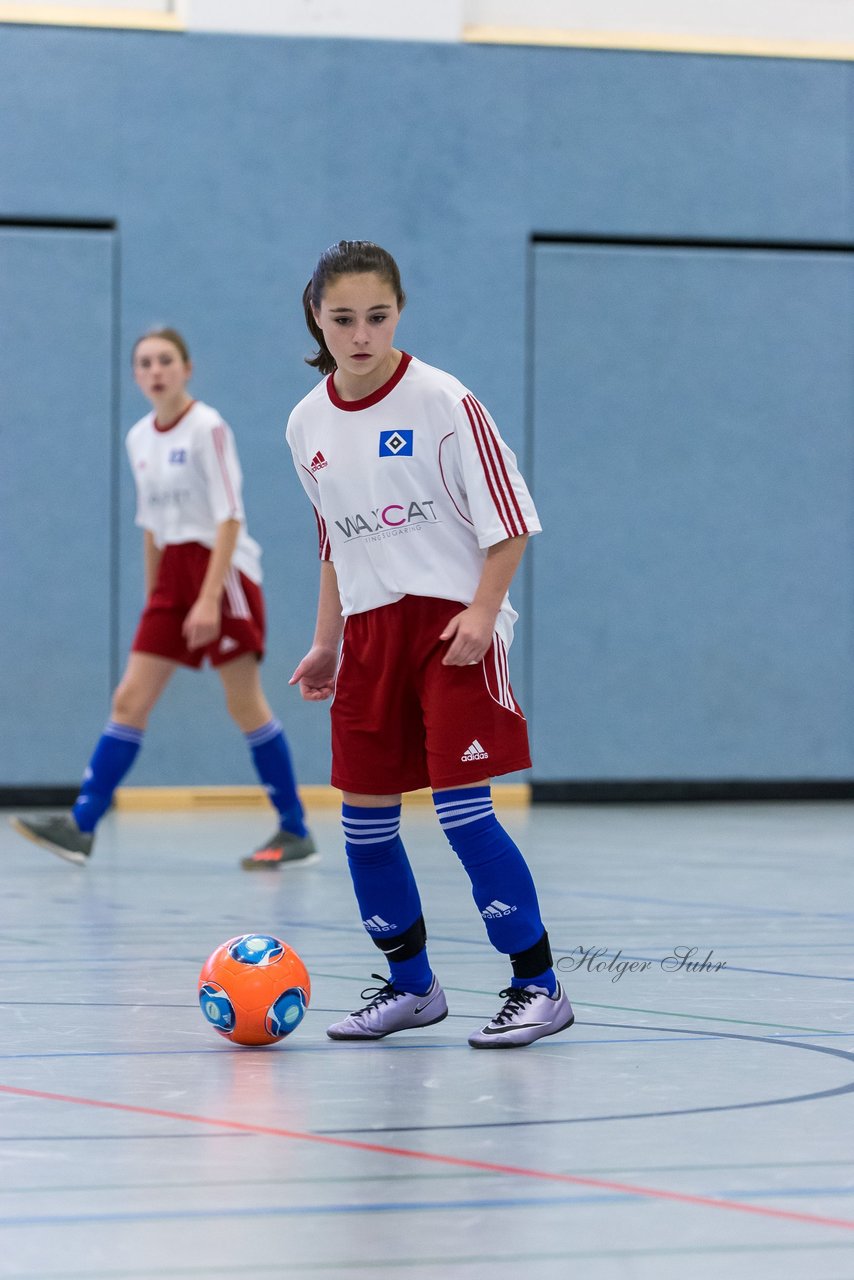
point(692, 1123)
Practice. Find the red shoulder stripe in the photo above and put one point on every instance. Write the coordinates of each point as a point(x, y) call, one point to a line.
point(219, 448)
point(324, 549)
point(494, 470)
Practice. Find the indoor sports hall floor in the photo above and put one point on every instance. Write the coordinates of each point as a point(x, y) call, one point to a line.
point(691, 1123)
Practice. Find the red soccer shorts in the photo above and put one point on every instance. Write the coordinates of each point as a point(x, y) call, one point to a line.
point(401, 720)
point(179, 581)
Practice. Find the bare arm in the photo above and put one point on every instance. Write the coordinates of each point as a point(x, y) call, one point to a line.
point(151, 556)
point(202, 624)
point(315, 675)
point(470, 632)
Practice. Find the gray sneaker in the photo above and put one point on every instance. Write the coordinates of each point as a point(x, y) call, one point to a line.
point(529, 1013)
point(389, 1010)
point(282, 848)
point(59, 833)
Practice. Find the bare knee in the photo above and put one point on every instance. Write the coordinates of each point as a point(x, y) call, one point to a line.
point(246, 704)
point(248, 710)
point(244, 696)
point(132, 703)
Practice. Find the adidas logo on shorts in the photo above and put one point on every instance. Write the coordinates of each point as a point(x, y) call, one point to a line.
point(474, 752)
point(497, 909)
point(376, 924)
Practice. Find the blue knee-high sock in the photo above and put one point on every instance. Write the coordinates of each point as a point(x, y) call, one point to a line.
point(386, 892)
point(113, 756)
point(272, 761)
point(502, 886)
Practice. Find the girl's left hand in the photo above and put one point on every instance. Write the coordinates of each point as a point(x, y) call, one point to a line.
point(202, 624)
point(470, 634)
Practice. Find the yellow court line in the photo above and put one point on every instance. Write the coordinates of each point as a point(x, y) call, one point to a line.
point(663, 42)
point(139, 799)
point(59, 16)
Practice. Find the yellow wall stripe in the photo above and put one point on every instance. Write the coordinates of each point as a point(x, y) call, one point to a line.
point(661, 42)
point(59, 16)
point(641, 41)
point(508, 795)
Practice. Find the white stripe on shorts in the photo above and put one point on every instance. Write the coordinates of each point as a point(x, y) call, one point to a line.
point(237, 603)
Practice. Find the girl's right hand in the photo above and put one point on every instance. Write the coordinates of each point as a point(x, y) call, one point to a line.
point(315, 675)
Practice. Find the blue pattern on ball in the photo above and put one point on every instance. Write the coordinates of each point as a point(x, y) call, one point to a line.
point(287, 1013)
point(216, 1006)
point(256, 948)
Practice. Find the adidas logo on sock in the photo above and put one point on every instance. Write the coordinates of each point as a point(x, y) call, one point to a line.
point(376, 924)
point(474, 752)
point(497, 909)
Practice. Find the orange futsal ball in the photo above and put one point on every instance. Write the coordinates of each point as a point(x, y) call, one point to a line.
point(254, 989)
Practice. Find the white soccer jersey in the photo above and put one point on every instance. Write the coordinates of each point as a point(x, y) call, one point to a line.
point(410, 487)
point(188, 481)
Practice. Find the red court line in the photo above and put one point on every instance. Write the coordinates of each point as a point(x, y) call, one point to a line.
point(459, 1162)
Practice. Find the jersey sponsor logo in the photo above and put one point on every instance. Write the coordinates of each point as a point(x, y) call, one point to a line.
point(178, 456)
point(496, 909)
point(376, 924)
point(169, 497)
point(474, 752)
point(396, 517)
point(318, 462)
point(396, 444)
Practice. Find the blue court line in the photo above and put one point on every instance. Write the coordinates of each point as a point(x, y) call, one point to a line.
point(105, 1137)
point(735, 908)
point(391, 1206)
point(838, 1091)
point(265, 1050)
point(812, 947)
point(397, 1046)
point(94, 1004)
point(656, 961)
point(106, 962)
point(442, 1265)
point(765, 1193)
point(217, 1212)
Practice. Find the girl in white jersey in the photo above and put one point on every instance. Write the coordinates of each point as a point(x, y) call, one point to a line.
point(422, 518)
point(203, 600)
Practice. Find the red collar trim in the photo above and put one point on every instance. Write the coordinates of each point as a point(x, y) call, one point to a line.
point(353, 406)
point(169, 425)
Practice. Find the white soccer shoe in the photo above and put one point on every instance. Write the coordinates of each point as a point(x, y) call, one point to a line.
point(389, 1010)
point(528, 1014)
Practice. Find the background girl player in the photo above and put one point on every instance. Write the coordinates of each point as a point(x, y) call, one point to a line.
point(423, 518)
point(203, 599)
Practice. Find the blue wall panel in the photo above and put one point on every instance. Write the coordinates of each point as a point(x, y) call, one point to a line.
point(56, 448)
point(694, 462)
point(230, 162)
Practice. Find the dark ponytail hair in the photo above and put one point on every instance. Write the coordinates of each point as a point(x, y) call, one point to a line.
point(347, 257)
